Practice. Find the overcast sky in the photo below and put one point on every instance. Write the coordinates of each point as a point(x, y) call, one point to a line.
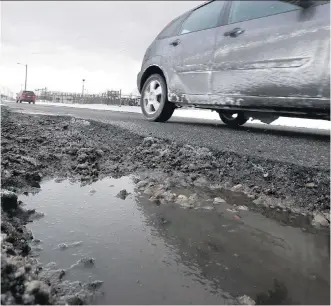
point(65, 41)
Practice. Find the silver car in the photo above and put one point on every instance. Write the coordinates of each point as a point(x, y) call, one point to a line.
point(243, 59)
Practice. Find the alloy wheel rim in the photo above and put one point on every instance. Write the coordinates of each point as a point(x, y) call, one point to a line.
point(152, 97)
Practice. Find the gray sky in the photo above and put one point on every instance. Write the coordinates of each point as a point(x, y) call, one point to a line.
point(65, 41)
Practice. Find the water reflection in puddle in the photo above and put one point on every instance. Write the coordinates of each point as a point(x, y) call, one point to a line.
point(148, 254)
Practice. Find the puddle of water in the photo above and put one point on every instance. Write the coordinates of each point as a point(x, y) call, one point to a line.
point(149, 254)
point(137, 267)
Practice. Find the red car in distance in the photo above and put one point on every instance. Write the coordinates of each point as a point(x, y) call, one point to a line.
point(27, 96)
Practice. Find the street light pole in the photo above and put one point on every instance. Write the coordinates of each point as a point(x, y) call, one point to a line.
point(83, 91)
point(26, 73)
point(83, 88)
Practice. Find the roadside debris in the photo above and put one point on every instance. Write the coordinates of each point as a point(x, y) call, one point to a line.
point(123, 194)
point(245, 300)
point(218, 201)
point(86, 262)
point(64, 246)
point(8, 200)
point(320, 220)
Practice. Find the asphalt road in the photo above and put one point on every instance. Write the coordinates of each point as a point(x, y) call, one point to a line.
point(305, 147)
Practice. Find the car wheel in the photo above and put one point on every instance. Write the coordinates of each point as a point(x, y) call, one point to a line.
point(233, 119)
point(154, 100)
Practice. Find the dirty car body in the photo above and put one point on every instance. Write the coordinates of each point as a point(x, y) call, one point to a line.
point(260, 59)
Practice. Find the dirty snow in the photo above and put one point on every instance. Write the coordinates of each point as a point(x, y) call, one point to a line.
point(62, 147)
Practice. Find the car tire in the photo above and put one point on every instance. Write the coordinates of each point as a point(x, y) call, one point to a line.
point(228, 119)
point(154, 100)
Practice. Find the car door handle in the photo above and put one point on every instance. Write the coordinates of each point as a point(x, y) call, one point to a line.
point(175, 43)
point(235, 32)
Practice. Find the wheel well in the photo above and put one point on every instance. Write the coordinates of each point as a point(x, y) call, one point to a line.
point(149, 71)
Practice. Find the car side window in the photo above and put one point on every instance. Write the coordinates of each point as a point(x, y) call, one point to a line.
point(247, 10)
point(172, 28)
point(205, 17)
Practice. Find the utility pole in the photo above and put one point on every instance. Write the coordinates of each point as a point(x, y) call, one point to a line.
point(26, 73)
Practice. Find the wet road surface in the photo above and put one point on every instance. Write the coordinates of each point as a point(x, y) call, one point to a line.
point(306, 147)
point(149, 254)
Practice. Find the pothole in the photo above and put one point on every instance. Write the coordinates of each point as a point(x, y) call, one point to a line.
point(209, 246)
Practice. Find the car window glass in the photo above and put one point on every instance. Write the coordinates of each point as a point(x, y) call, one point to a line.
point(203, 18)
point(246, 10)
point(172, 28)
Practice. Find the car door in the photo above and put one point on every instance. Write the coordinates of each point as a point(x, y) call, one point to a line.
point(191, 54)
point(268, 50)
